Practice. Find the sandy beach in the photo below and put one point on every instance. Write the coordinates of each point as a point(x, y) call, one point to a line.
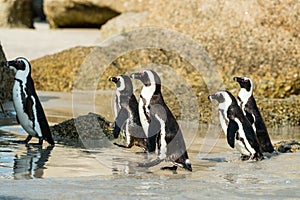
point(41, 41)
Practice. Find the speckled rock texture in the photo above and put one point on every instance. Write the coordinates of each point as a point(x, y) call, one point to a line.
point(16, 14)
point(257, 39)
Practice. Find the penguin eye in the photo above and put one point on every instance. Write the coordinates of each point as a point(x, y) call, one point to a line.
point(19, 62)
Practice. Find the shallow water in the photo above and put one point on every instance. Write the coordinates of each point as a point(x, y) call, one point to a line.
point(72, 172)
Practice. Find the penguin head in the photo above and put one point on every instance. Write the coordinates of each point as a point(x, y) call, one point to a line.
point(148, 78)
point(245, 83)
point(123, 83)
point(224, 98)
point(20, 65)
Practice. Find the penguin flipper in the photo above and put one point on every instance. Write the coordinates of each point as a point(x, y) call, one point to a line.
point(250, 117)
point(121, 118)
point(28, 107)
point(231, 132)
point(153, 130)
point(18, 121)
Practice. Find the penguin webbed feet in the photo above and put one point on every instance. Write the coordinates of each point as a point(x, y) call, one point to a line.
point(173, 168)
point(40, 143)
point(253, 157)
point(26, 141)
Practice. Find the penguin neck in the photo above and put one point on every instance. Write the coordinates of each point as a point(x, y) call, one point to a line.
point(244, 95)
point(22, 75)
point(148, 91)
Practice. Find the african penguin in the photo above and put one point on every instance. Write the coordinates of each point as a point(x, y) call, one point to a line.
point(163, 127)
point(30, 113)
point(127, 119)
point(237, 128)
point(248, 104)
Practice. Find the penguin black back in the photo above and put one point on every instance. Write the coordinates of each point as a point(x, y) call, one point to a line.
point(126, 112)
point(28, 107)
point(236, 126)
point(163, 127)
point(251, 111)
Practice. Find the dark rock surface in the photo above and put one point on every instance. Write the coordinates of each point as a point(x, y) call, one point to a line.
point(6, 78)
point(91, 130)
point(74, 13)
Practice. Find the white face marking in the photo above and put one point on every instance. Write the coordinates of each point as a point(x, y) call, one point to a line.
point(122, 83)
point(239, 145)
point(163, 143)
point(22, 74)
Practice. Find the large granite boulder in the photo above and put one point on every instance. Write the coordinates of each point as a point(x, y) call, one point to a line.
point(6, 79)
point(16, 13)
point(258, 39)
point(77, 13)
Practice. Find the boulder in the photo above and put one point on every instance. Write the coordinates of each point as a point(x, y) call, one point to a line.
point(77, 13)
point(124, 22)
point(6, 79)
point(16, 13)
point(91, 130)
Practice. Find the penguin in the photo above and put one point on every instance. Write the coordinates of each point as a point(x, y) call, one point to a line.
point(127, 119)
point(30, 113)
point(237, 128)
point(248, 104)
point(163, 128)
point(144, 105)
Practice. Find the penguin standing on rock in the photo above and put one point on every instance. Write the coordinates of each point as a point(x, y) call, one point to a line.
point(163, 128)
point(30, 113)
point(127, 116)
point(248, 104)
point(237, 128)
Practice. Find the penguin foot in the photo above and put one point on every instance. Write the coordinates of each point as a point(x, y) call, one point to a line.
point(245, 157)
point(40, 143)
point(121, 145)
point(19, 141)
point(151, 163)
point(173, 168)
point(23, 141)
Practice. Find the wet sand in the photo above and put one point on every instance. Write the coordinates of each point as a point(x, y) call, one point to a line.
point(73, 172)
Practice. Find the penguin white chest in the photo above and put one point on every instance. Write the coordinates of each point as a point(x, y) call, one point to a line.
point(28, 124)
point(144, 106)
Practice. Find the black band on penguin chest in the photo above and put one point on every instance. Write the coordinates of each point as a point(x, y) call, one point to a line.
point(145, 109)
point(27, 102)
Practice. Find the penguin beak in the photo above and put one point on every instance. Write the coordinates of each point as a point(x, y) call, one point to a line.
point(211, 97)
point(238, 79)
point(8, 63)
point(113, 79)
point(136, 76)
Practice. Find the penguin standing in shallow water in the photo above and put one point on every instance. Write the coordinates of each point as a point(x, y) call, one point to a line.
point(163, 128)
point(237, 128)
point(144, 105)
point(127, 119)
point(248, 104)
point(30, 113)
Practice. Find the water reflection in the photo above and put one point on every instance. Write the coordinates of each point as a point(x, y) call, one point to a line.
point(31, 164)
